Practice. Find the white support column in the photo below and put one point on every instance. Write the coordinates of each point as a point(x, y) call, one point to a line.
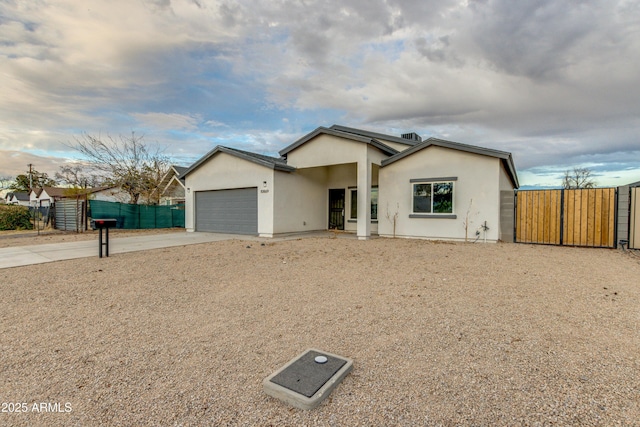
point(364, 198)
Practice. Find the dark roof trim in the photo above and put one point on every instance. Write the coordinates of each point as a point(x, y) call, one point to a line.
point(504, 156)
point(270, 162)
point(340, 134)
point(361, 132)
point(179, 169)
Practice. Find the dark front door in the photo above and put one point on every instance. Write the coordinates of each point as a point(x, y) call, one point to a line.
point(336, 209)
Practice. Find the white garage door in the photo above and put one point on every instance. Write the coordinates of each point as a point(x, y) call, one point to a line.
point(227, 211)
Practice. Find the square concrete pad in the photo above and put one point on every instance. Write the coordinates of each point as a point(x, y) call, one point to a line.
point(304, 383)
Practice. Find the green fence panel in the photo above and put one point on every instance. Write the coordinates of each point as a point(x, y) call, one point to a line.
point(147, 216)
point(138, 216)
point(177, 215)
point(163, 217)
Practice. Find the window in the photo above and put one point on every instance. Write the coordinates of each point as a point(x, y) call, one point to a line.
point(433, 197)
point(374, 203)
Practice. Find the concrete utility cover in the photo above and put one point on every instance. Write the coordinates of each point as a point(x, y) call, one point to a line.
point(308, 379)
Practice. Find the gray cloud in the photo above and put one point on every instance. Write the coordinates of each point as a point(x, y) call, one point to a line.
point(552, 82)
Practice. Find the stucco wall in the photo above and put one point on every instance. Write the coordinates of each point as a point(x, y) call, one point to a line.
point(477, 180)
point(326, 150)
point(225, 171)
point(300, 200)
point(507, 206)
point(352, 225)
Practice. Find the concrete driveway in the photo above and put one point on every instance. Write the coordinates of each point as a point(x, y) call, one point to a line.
point(38, 254)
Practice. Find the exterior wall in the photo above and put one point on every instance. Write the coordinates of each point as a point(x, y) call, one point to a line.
point(300, 199)
point(341, 157)
point(342, 176)
point(507, 206)
point(477, 180)
point(326, 150)
point(15, 201)
point(351, 224)
point(225, 171)
point(173, 193)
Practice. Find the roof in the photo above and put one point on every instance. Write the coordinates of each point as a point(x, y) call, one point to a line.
point(180, 169)
point(174, 171)
point(504, 156)
point(99, 189)
point(376, 135)
point(270, 162)
point(353, 136)
point(20, 195)
point(55, 191)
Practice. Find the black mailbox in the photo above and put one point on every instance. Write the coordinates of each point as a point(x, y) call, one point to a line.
point(103, 224)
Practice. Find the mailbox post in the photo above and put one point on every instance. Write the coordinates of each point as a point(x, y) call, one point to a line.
point(103, 224)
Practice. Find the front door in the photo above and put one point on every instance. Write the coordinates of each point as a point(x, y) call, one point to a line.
point(336, 209)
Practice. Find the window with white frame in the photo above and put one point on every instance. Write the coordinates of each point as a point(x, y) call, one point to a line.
point(374, 203)
point(433, 197)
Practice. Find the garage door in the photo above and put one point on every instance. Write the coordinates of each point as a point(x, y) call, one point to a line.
point(227, 211)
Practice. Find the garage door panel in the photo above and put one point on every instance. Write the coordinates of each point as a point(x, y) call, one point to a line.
point(227, 211)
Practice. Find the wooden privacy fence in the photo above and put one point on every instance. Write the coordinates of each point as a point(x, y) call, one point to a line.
point(583, 217)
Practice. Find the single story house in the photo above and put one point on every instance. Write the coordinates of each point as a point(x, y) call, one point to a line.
point(18, 198)
point(171, 187)
point(358, 181)
point(47, 196)
point(109, 194)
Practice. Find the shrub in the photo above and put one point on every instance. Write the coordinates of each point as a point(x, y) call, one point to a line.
point(15, 218)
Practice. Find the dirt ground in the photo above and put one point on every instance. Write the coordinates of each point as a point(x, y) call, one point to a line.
point(31, 237)
point(440, 334)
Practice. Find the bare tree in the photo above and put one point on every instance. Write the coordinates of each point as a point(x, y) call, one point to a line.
point(393, 218)
point(125, 162)
point(578, 178)
point(77, 177)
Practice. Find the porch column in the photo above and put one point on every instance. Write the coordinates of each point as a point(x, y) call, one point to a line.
point(364, 199)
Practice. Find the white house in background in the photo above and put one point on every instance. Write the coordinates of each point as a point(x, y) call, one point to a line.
point(358, 181)
point(109, 194)
point(18, 198)
point(47, 196)
point(172, 189)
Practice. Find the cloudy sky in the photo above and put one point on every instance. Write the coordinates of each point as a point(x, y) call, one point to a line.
point(555, 82)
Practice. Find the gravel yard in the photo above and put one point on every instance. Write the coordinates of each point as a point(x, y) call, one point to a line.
point(440, 333)
point(28, 238)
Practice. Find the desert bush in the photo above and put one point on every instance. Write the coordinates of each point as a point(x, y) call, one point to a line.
point(15, 218)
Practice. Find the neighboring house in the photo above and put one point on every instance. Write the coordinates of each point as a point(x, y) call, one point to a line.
point(172, 189)
point(354, 180)
point(109, 194)
point(18, 198)
point(47, 196)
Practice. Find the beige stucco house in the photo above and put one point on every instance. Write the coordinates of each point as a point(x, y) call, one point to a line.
point(358, 181)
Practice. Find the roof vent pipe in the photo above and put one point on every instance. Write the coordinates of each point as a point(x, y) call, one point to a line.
point(412, 137)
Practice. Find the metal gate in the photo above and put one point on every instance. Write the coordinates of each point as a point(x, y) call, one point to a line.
point(70, 214)
point(584, 217)
point(634, 219)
